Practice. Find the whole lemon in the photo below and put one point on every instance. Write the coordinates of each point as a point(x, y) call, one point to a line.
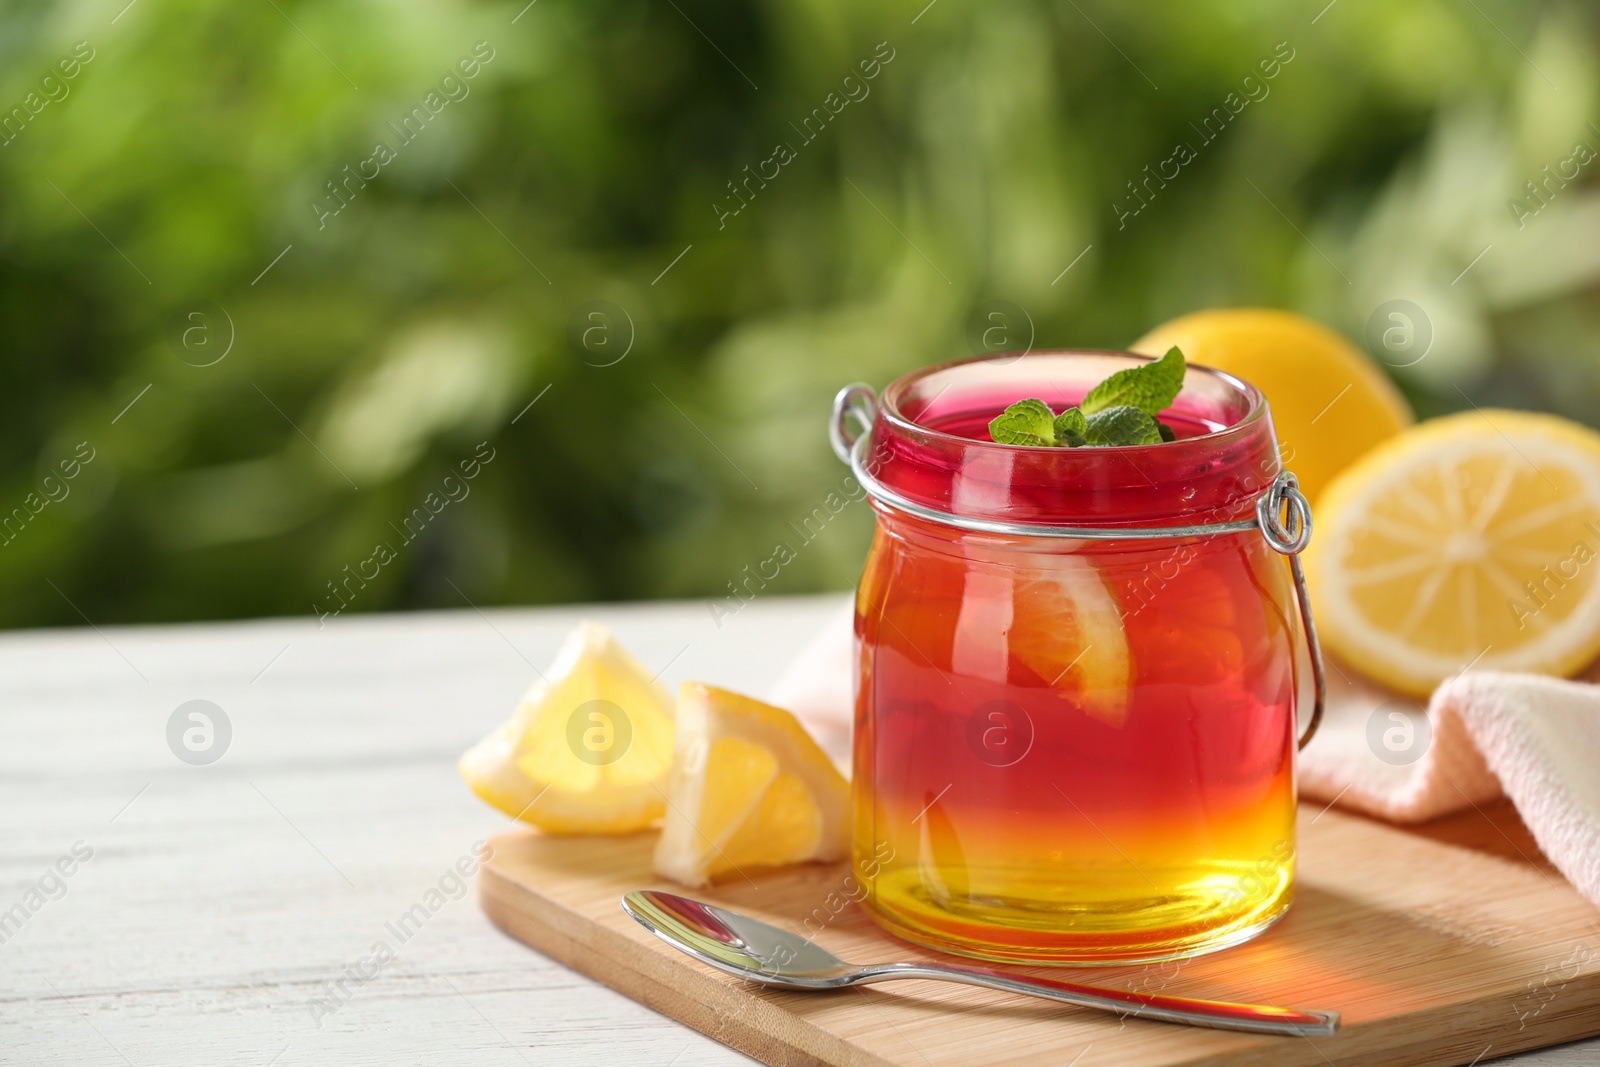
point(1330, 403)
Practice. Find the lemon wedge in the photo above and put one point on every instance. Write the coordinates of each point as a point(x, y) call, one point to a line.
point(1467, 540)
point(749, 788)
point(588, 749)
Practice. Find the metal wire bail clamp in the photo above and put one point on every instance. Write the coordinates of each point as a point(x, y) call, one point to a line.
point(1283, 518)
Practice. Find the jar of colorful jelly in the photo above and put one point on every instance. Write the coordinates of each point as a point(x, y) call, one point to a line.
point(1078, 669)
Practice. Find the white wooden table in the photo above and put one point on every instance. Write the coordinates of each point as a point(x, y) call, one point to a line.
point(224, 904)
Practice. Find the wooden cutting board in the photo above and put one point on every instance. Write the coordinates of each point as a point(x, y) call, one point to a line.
point(1447, 946)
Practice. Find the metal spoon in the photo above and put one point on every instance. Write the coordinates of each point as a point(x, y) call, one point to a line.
point(758, 952)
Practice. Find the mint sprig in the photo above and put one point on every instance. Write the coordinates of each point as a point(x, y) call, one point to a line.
point(1121, 410)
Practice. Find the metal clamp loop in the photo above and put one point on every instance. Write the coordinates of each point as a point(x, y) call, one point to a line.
point(1283, 515)
point(861, 403)
point(1287, 531)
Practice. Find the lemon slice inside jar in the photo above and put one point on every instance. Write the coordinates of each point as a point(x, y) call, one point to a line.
point(1055, 615)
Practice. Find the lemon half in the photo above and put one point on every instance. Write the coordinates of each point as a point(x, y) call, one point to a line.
point(1330, 403)
point(1468, 540)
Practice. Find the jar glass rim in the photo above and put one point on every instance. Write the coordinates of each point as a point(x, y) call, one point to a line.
point(889, 403)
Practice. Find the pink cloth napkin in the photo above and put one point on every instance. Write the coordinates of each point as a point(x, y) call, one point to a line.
point(1485, 734)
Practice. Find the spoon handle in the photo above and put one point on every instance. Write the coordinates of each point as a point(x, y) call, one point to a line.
point(1255, 1018)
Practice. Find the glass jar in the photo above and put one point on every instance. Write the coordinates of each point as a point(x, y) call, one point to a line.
point(1078, 669)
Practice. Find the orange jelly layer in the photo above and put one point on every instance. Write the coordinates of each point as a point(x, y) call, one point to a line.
point(1070, 751)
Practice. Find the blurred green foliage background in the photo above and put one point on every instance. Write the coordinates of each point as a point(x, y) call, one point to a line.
point(583, 170)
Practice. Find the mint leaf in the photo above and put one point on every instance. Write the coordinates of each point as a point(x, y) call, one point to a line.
point(1071, 428)
point(1150, 387)
point(1167, 432)
point(1027, 422)
point(1122, 425)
